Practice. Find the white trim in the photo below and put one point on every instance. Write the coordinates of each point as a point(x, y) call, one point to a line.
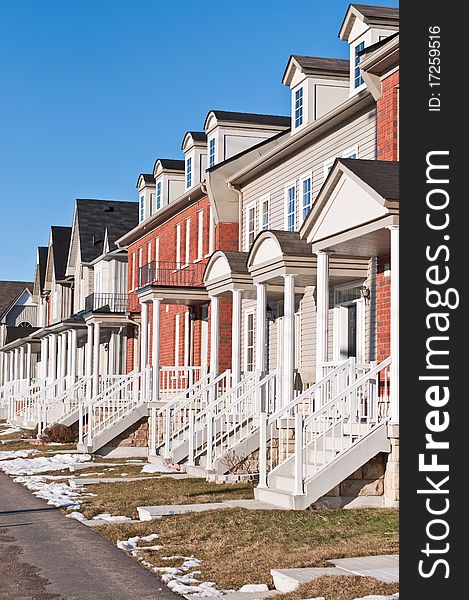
point(287, 187)
point(187, 249)
point(252, 205)
point(200, 235)
point(302, 179)
point(327, 167)
point(247, 313)
point(262, 200)
point(149, 245)
point(176, 339)
point(211, 232)
point(340, 323)
point(350, 151)
point(178, 244)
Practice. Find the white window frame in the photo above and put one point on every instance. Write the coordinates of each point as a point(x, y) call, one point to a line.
point(302, 117)
point(249, 207)
point(141, 208)
point(158, 192)
point(339, 324)
point(200, 235)
point(149, 252)
point(288, 187)
point(178, 245)
point(247, 314)
point(140, 261)
point(262, 201)
point(189, 172)
point(304, 178)
point(187, 249)
point(210, 155)
point(353, 66)
point(327, 167)
point(132, 279)
point(157, 257)
point(350, 152)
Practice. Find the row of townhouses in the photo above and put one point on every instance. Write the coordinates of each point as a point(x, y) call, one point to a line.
point(241, 317)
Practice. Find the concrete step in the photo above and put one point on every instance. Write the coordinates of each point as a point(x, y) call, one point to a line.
point(288, 580)
point(195, 471)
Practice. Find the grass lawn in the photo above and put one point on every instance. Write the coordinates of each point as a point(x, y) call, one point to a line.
point(123, 498)
point(341, 588)
point(43, 449)
point(104, 471)
point(240, 546)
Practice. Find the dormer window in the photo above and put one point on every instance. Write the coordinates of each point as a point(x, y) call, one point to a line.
point(357, 78)
point(188, 172)
point(142, 208)
point(298, 107)
point(158, 195)
point(211, 152)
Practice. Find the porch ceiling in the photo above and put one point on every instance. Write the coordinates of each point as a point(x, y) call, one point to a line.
point(185, 296)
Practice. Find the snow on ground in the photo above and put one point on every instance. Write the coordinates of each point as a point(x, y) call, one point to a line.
point(20, 465)
point(254, 587)
point(56, 494)
point(149, 468)
point(12, 454)
point(10, 430)
point(111, 518)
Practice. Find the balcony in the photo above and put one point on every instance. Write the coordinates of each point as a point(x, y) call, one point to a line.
point(113, 303)
point(171, 274)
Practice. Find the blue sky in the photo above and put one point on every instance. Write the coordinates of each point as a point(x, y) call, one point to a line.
point(92, 91)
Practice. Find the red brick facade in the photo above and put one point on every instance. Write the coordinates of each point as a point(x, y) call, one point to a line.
point(383, 309)
point(388, 118)
point(226, 237)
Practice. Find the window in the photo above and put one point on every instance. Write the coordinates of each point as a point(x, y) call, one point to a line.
point(158, 195)
point(133, 275)
point(250, 225)
point(149, 253)
point(188, 241)
point(157, 258)
point(140, 264)
point(290, 208)
point(211, 152)
point(151, 204)
point(264, 213)
point(200, 234)
point(142, 208)
point(357, 78)
point(249, 343)
point(351, 153)
point(299, 107)
point(188, 172)
point(178, 245)
point(306, 196)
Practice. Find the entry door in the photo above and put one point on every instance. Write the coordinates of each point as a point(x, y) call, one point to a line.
point(204, 339)
point(349, 330)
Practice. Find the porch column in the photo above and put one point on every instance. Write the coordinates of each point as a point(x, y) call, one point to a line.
point(144, 336)
point(69, 359)
point(236, 336)
point(260, 327)
point(394, 371)
point(11, 369)
point(16, 356)
point(62, 361)
point(89, 359)
point(44, 358)
point(21, 368)
point(73, 356)
point(155, 363)
point(288, 338)
point(96, 347)
point(322, 311)
point(214, 334)
point(28, 362)
point(53, 357)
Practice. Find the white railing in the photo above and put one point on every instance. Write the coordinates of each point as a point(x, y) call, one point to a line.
point(220, 427)
point(333, 428)
point(174, 380)
point(113, 404)
point(62, 407)
point(173, 420)
point(27, 407)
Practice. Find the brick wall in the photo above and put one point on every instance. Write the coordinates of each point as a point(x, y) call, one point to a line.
point(383, 308)
point(387, 118)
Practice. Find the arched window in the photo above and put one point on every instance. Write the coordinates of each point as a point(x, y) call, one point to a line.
point(24, 324)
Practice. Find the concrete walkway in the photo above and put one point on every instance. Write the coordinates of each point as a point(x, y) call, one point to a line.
point(147, 513)
point(46, 556)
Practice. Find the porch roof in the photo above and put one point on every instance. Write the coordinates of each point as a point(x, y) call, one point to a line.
point(181, 295)
point(227, 271)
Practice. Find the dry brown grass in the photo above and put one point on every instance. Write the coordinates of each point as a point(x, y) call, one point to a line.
point(111, 471)
point(241, 546)
point(43, 449)
point(123, 498)
point(341, 588)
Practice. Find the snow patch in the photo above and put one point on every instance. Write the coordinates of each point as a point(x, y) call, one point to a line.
point(373, 597)
point(13, 454)
point(149, 468)
point(111, 518)
point(255, 587)
point(20, 465)
point(56, 494)
point(10, 430)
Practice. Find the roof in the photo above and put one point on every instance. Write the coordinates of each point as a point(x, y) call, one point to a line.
point(254, 118)
point(238, 261)
point(387, 16)
point(198, 136)
point(172, 164)
point(317, 65)
point(10, 291)
point(61, 244)
point(290, 242)
point(380, 44)
point(147, 177)
point(16, 333)
point(42, 265)
point(94, 217)
point(381, 175)
point(377, 12)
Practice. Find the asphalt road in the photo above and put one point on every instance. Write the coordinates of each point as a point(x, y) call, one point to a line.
point(45, 556)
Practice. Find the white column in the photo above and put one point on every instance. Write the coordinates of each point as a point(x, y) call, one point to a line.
point(73, 356)
point(5, 368)
point(21, 358)
point(69, 358)
point(96, 348)
point(187, 337)
point(144, 336)
point(28, 362)
point(322, 311)
point(62, 362)
point(288, 338)
point(89, 359)
point(11, 366)
point(16, 363)
point(394, 383)
point(44, 358)
point(155, 351)
point(53, 357)
point(260, 327)
point(214, 333)
point(236, 336)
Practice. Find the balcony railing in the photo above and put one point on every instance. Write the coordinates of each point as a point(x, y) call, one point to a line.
point(171, 274)
point(114, 303)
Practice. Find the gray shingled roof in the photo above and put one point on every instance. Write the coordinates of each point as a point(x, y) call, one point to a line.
point(241, 117)
point(61, 243)
point(198, 136)
point(381, 175)
point(377, 12)
point(147, 177)
point(290, 242)
point(97, 216)
point(173, 164)
point(10, 291)
point(318, 63)
point(42, 265)
point(375, 46)
point(238, 261)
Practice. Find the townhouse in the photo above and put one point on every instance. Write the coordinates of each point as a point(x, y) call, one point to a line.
point(246, 311)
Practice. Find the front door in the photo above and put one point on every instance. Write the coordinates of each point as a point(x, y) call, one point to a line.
point(349, 323)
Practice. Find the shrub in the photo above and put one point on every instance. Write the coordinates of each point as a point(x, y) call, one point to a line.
point(58, 433)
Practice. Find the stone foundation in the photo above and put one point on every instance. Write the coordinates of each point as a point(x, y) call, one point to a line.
point(391, 478)
point(131, 442)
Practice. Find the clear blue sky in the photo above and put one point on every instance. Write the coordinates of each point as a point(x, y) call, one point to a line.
point(92, 91)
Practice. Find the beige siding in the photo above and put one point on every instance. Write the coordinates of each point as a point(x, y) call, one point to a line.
point(308, 336)
point(361, 132)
